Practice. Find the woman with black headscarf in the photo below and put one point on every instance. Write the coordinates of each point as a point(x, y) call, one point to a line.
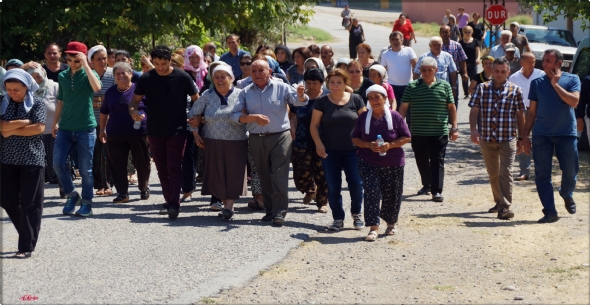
point(284, 57)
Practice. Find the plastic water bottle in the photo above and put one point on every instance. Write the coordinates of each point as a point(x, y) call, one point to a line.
point(381, 142)
point(137, 124)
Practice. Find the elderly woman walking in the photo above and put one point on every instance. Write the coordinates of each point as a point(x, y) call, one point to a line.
point(122, 134)
point(381, 166)
point(47, 93)
point(224, 142)
point(97, 56)
point(22, 157)
point(308, 172)
point(332, 121)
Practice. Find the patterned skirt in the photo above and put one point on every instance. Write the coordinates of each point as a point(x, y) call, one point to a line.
point(308, 174)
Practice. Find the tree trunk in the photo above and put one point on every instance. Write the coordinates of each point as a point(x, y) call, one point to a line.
point(570, 24)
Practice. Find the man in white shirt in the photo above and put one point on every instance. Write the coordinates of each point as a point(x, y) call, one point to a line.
point(498, 51)
point(523, 79)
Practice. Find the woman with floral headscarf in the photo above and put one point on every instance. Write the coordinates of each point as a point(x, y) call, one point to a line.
point(22, 157)
point(47, 93)
point(195, 65)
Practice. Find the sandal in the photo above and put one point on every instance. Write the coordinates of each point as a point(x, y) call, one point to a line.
point(186, 197)
point(323, 209)
point(22, 255)
point(226, 214)
point(390, 230)
point(372, 236)
point(255, 205)
point(100, 192)
point(132, 179)
point(108, 192)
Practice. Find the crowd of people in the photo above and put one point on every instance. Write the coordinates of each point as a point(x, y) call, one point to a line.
point(238, 118)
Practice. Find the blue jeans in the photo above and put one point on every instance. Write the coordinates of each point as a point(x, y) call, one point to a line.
point(84, 143)
point(566, 151)
point(334, 163)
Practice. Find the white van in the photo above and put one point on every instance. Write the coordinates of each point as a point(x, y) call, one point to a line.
point(581, 62)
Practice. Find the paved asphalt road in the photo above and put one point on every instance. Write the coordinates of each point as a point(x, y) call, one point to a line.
point(127, 253)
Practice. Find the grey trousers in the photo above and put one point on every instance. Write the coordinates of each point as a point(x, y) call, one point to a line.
point(272, 154)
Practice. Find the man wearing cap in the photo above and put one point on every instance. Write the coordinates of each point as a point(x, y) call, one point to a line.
point(523, 79)
point(74, 124)
point(165, 90)
point(510, 55)
point(519, 40)
point(498, 50)
point(263, 107)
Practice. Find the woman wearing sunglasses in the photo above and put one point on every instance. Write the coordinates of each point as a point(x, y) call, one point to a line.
point(358, 82)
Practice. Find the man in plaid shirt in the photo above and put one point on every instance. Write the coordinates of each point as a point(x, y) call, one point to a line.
point(459, 57)
point(501, 107)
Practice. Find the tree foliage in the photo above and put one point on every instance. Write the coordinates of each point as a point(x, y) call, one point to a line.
point(575, 9)
point(27, 26)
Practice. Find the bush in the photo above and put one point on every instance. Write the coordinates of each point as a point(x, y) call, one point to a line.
point(521, 19)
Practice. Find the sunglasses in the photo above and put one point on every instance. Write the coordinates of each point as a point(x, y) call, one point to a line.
point(354, 71)
point(74, 61)
point(246, 63)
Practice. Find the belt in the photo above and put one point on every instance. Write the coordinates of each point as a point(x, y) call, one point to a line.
point(264, 134)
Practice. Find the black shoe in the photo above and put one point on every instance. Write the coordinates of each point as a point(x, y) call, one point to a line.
point(437, 197)
point(145, 195)
point(122, 198)
point(164, 209)
point(570, 205)
point(267, 217)
point(495, 209)
point(548, 219)
point(425, 190)
point(505, 214)
point(278, 221)
point(226, 214)
point(172, 212)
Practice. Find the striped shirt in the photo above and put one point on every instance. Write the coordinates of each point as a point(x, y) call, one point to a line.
point(497, 109)
point(108, 80)
point(429, 107)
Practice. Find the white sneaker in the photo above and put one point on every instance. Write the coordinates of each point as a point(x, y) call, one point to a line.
point(337, 225)
point(357, 221)
point(217, 206)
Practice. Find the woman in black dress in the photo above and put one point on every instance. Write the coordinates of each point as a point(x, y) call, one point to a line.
point(356, 37)
point(472, 50)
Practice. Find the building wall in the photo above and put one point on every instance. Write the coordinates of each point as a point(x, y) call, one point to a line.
point(560, 23)
point(434, 10)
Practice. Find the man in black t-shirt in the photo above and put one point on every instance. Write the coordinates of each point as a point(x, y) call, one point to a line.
point(165, 89)
point(53, 66)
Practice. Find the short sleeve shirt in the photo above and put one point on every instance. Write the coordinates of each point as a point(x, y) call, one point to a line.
point(554, 116)
point(303, 137)
point(21, 150)
point(76, 93)
point(338, 121)
point(445, 64)
point(428, 107)
point(520, 41)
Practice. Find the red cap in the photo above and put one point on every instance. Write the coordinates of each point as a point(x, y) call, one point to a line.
point(75, 46)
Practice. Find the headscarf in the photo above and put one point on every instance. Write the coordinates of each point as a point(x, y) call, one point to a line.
point(213, 65)
point(25, 78)
point(319, 63)
point(380, 89)
point(201, 70)
point(14, 62)
point(343, 60)
point(94, 50)
point(287, 51)
point(45, 84)
point(2, 72)
point(225, 68)
point(381, 70)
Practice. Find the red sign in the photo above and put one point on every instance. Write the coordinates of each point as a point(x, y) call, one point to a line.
point(496, 14)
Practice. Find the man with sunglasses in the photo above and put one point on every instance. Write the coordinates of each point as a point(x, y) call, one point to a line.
point(74, 124)
point(500, 105)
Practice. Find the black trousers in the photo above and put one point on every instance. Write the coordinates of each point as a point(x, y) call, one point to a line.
point(471, 72)
point(118, 148)
point(189, 169)
point(398, 91)
point(21, 196)
point(429, 152)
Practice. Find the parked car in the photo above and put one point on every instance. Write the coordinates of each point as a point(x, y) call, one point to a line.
point(581, 67)
point(542, 38)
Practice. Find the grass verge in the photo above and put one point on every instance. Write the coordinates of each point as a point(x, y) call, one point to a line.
point(304, 32)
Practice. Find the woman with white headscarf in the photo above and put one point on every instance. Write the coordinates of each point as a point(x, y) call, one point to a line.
point(47, 92)
point(381, 167)
point(378, 74)
point(22, 157)
point(224, 142)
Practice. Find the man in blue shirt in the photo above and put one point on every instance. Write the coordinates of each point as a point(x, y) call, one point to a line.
point(263, 107)
point(447, 70)
point(553, 99)
point(232, 57)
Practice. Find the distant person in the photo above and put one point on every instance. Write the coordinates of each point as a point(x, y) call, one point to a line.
point(404, 25)
point(295, 72)
point(284, 57)
point(124, 56)
point(211, 48)
point(356, 36)
point(455, 32)
point(111, 54)
point(399, 62)
point(363, 51)
point(462, 19)
point(510, 55)
point(446, 17)
point(499, 104)
point(315, 51)
point(521, 41)
point(52, 64)
point(551, 118)
point(523, 78)
point(459, 58)
point(471, 47)
point(345, 13)
point(479, 29)
point(499, 50)
point(232, 57)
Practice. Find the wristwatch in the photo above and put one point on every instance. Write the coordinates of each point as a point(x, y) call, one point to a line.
point(454, 129)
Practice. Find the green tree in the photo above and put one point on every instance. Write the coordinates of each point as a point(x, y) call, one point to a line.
point(574, 9)
point(27, 26)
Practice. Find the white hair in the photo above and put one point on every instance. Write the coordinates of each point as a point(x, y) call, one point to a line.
point(436, 38)
point(428, 62)
point(506, 32)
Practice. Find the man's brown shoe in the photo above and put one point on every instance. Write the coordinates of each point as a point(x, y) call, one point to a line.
point(521, 177)
point(505, 214)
